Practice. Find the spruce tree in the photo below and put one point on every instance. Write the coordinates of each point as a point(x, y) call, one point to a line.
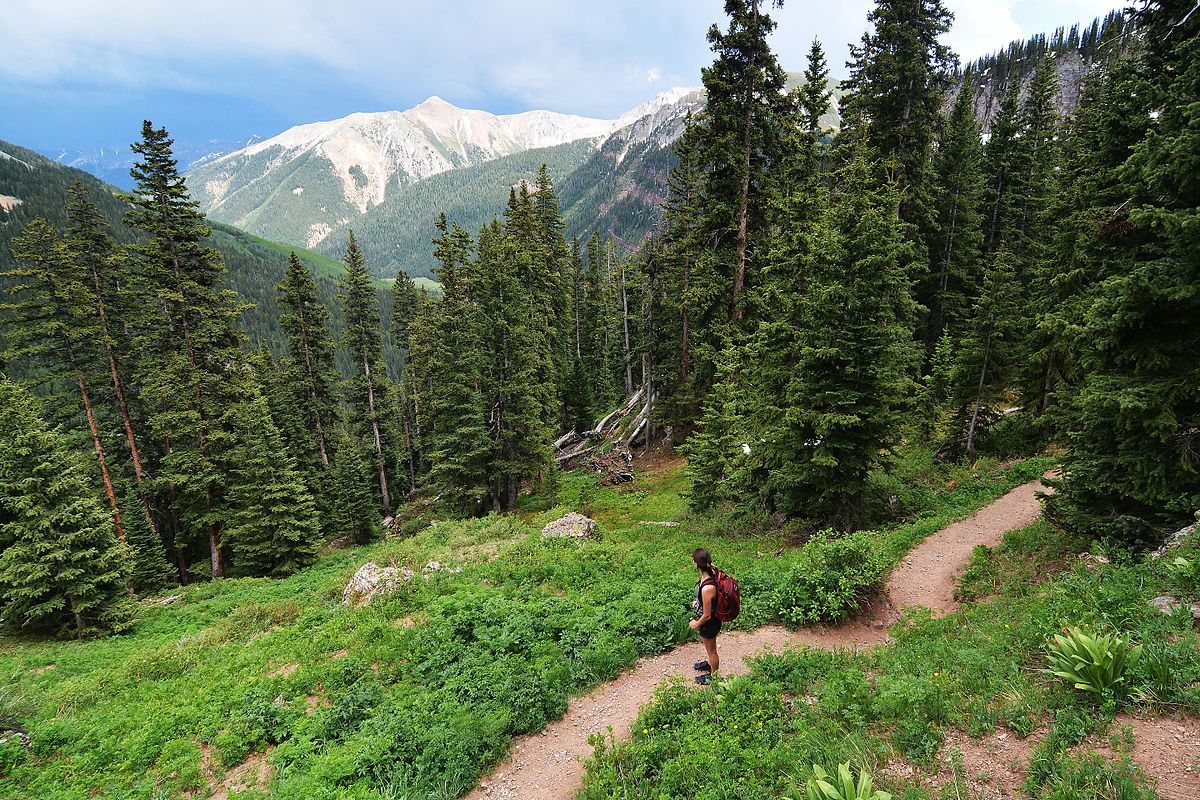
point(459, 443)
point(1131, 469)
point(51, 324)
point(190, 366)
point(853, 370)
point(522, 404)
point(958, 233)
point(355, 508)
point(149, 570)
point(62, 568)
point(1004, 171)
point(311, 373)
point(746, 122)
point(272, 524)
point(364, 342)
point(893, 97)
point(685, 257)
point(91, 247)
point(987, 354)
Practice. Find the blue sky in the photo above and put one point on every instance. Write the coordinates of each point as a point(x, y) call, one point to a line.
point(77, 73)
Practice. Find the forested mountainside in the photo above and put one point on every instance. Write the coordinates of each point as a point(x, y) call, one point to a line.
point(32, 185)
point(1075, 51)
point(398, 233)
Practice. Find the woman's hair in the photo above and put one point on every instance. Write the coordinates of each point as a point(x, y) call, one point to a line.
point(703, 561)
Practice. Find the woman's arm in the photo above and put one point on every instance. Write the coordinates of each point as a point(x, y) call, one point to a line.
point(708, 596)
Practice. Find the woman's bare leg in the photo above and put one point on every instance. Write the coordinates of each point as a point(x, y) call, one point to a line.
point(710, 647)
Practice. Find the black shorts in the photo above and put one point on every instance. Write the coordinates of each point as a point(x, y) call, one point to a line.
point(710, 629)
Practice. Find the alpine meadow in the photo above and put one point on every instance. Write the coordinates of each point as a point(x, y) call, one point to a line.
point(419, 454)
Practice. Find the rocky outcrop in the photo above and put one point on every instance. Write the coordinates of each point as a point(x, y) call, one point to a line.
point(1177, 538)
point(572, 526)
point(371, 581)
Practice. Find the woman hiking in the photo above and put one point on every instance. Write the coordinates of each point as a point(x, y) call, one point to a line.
point(705, 606)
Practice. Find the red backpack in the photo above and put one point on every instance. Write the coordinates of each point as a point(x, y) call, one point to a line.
point(729, 597)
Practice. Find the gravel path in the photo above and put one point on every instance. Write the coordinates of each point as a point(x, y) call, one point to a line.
point(549, 766)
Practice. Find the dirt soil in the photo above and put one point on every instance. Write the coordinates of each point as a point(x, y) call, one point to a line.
point(549, 766)
point(1167, 749)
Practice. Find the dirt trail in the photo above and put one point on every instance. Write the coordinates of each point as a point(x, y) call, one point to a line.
point(549, 766)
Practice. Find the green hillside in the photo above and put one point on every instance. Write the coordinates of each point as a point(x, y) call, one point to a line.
point(255, 266)
point(397, 234)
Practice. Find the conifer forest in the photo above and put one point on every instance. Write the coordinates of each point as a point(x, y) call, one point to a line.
point(826, 344)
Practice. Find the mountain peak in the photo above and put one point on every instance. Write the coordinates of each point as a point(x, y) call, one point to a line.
point(433, 102)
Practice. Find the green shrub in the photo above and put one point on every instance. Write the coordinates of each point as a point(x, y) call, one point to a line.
point(842, 786)
point(1093, 663)
point(830, 578)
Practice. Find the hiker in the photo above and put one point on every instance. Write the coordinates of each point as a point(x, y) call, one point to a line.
point(706, 622)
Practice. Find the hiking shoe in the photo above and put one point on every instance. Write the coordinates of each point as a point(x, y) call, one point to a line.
point(702, 666)
point(704, 679)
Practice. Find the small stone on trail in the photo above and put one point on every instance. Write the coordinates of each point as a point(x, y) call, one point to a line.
point(572, 526)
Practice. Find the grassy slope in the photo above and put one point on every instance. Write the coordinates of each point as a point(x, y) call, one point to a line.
point(232, 667)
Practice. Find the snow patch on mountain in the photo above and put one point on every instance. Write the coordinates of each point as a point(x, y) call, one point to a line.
point(8, 157)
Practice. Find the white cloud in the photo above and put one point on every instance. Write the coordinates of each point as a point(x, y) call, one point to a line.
point(982, 26)
point(569, 56)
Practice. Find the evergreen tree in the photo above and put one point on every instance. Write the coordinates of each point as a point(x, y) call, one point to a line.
point(746, 122)
point(459, 444)
point(987, 353)
point(355, 508)
point(852, 377)
point(149, 570)
point(272, 520)
point(685, 256)
point(51, 323)
point(311, 373)
point(521, 402)
point(190, 366)
point(1005, 178)
point(61, 567)
point(958, 233)
point(1131, 469)
point(364, 342)
point(91, 247)
point(893, 97)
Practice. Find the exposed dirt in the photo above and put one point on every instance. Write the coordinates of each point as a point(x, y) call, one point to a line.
point(992, 767)
point(927, 576)
point(283, 671)
point(1168, 750)
point(548, 765)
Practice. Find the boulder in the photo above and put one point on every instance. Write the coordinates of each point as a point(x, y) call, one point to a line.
point(371, 581)
point(1167, 605)
point(572, 526)
point(1177, 538)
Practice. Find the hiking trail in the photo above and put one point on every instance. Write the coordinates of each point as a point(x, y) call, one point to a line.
point(549, 765)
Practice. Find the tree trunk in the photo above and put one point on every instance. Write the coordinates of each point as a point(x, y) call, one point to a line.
point(99, 447)
point(383, 484)
point(625, 328)
point(971, 429)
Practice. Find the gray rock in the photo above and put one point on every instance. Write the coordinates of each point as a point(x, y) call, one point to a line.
point(1168, 605)
point(1177, 538)
point(1093, 561)
point(572, 526)
point(371, 581)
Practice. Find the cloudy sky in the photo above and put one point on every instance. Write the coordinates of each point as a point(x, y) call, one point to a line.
point(77, 73)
